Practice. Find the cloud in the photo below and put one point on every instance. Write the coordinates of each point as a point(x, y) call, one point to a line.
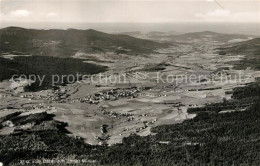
point(87, 11)
point(20, 13)
point(52, 14)
point(219, 13)
point(246, 16)
point(222, 15)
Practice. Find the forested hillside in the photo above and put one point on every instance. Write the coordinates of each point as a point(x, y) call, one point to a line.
point(211, 138)
point(250, 49)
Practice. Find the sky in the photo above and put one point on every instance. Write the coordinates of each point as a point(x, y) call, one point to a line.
point(129, 11)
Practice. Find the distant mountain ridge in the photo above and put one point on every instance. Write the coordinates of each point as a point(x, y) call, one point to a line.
point(220, 37)
point(173, 36)
point(65, 43)
point(250, 49)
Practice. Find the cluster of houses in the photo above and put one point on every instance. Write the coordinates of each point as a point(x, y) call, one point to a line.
point(117, 115)
point(5, 95)
point(39, 107)
point(34, 97)
point(113, 94)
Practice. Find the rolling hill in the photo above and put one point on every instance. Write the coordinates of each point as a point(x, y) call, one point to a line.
point(65, 43)
point(46, 66)
point(250, 49)
point(194, 36)
point(208, 35)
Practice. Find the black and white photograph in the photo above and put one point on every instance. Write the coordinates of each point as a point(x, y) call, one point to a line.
point(129, 82)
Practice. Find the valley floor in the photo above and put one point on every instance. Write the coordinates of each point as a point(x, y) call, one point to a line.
point(146, 103)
